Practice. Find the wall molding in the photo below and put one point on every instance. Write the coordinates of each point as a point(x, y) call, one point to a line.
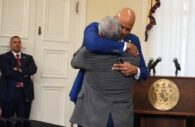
point(51, 69)
point(4, 31)
point(46, 28)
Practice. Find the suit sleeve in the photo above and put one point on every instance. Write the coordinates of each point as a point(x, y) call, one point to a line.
point(78, 61)
point(7, 70)
point(142, 65)
point(30, 68)
point(95, 43)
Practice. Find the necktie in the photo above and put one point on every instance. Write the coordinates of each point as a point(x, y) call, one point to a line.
point(18, 84)
point(18, 61)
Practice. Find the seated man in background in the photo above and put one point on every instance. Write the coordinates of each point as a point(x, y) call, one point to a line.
point(105, 93)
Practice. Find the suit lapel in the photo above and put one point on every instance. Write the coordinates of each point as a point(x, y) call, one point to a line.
point(12, 58)
point(23, 58)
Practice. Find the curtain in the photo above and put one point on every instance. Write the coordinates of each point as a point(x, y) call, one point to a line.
point(173, 37)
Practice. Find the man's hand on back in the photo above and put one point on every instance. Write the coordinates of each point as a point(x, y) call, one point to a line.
point(132, 49)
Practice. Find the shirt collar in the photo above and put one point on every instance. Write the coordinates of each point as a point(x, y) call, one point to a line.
point(19, 53)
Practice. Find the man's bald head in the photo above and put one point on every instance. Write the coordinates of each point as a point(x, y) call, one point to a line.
point(126, 17)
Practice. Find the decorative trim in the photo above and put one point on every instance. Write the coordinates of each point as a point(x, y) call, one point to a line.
point(151, 18)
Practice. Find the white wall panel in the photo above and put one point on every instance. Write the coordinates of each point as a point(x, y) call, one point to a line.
point(14, 18)
point(56, 18)
point(4, 49)
point(54, 63)
point(53, 104)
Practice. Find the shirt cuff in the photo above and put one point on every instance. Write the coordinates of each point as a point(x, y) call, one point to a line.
point(138, 74)
point(125, 46)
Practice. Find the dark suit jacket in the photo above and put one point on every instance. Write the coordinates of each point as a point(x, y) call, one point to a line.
point(10, 77)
